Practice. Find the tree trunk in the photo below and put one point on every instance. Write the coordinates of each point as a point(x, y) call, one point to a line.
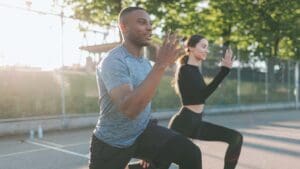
point(272, 61)
point(271, 73)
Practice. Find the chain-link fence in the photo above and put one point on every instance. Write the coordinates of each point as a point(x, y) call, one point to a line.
point(252, 80)
point(249, 82)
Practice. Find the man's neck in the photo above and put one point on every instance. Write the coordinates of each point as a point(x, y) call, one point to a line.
point(133, 49)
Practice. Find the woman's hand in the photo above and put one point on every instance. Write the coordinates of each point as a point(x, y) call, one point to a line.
point(227, 60)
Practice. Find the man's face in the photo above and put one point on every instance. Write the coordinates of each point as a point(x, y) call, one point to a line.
point(138, 28)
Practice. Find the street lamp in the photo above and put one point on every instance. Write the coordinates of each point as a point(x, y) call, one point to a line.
point(62, 70)
point(28, 3)
point(63, 107)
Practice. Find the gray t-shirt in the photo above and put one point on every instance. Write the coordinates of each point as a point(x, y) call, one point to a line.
point(119, 68)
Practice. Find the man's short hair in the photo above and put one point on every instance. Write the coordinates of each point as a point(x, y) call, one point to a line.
point(127, 10)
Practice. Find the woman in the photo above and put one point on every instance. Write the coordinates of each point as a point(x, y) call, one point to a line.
point(193, 91)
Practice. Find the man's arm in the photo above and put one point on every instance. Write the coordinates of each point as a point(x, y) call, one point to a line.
point(133, 101)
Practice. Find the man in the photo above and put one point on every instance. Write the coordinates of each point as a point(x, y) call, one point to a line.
point(126, 84)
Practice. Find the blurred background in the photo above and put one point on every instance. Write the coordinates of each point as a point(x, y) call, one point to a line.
point(49, 50)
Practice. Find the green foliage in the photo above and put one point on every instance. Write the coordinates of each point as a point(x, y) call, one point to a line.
point(103, 12)
point(172, 15)
point(81, 93)
point(258, 26)
point(25, 94)
point(165, 97)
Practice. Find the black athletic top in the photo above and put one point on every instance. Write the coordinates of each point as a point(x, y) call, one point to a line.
point(192, 88)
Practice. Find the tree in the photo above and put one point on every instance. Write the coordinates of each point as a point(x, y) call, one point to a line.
point(261, 25)
point(166, 14)
point(102, 12)
point(273, 25)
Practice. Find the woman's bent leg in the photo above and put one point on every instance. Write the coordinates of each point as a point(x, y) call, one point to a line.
point(211, 132)
point(162, 146)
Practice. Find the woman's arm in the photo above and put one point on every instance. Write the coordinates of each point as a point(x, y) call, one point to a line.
point(226, 64)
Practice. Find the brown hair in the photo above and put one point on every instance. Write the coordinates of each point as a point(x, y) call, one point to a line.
point(190, 42)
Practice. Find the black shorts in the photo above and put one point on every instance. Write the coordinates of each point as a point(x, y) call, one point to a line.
point(147, 147)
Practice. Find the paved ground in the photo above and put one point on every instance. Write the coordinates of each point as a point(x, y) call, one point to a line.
point(272, 141)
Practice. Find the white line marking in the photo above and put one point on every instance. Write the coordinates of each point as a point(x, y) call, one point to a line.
point(50, 143)
point(58, 149)
point(75, 144)
point(22, 152)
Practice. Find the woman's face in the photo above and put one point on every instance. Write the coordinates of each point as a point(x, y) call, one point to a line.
point(200, 51)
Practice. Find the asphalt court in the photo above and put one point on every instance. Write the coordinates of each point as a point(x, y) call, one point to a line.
point(271, 141)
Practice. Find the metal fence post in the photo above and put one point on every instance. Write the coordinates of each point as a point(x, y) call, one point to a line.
point(63, 107)
point(238, 79)
point(267, 82)
point(296, 92)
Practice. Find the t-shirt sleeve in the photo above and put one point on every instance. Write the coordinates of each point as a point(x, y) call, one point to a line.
point(114, 73)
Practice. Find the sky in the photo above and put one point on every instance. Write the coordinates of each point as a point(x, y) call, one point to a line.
point(31, 39)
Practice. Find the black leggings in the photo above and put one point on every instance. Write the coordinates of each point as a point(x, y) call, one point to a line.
point(178, 150)
point(191, 125)
point(158, 145)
